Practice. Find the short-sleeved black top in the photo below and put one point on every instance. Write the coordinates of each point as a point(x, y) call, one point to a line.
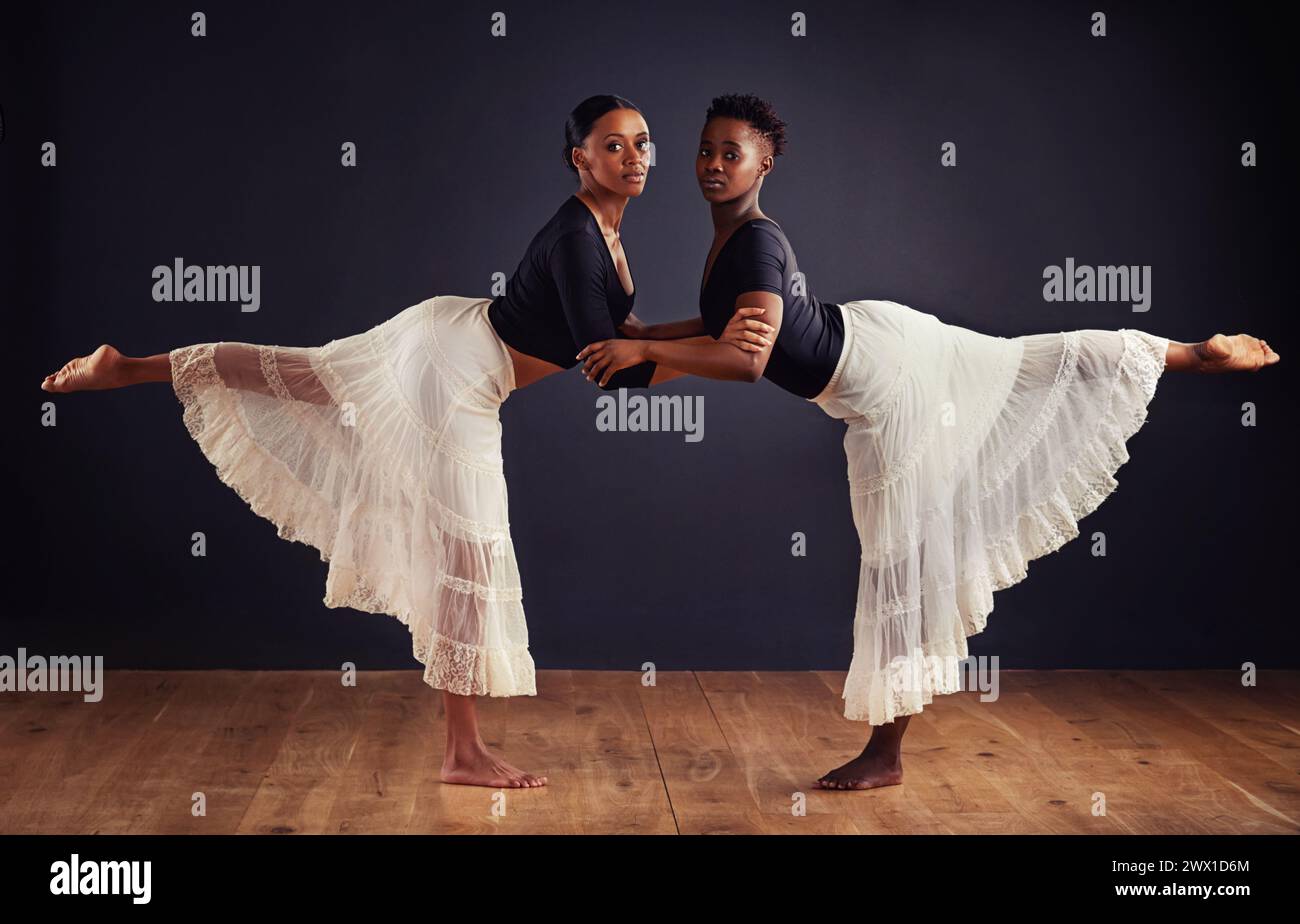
point(757, 258)
point(565, 294)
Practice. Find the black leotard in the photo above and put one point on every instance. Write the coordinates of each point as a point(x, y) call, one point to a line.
point(757, 258)
point(565, 294)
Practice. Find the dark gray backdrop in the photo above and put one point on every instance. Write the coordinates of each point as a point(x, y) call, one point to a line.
point(640, 547)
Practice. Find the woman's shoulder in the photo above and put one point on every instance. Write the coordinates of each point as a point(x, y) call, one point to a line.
point(573, 218)
point(569, 219)
point(563, 221)
point(574, 242)
point(767, 229)
point(762, 236)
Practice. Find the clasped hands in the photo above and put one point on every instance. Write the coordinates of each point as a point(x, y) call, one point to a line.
point(603, 358)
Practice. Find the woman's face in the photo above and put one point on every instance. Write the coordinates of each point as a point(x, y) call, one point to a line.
point(617, 152)
point(732, 158)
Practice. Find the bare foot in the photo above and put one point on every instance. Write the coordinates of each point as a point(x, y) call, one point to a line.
point(483, 768)
point(1238, 353)
point(104, 368)
point(866, 771)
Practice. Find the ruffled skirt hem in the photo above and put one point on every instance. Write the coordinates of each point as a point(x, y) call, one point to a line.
point(355, 506)
point(1003, 508)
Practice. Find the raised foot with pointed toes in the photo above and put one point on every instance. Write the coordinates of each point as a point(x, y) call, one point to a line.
point(1236, 353)
point(104, 368)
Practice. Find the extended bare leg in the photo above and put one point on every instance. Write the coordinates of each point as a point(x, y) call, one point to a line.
point(243, 366)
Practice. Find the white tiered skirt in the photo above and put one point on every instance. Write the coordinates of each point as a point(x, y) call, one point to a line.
point(968, 456)
point(383, 451)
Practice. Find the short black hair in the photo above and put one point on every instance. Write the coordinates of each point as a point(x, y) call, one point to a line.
point(578, 126)
point(759, 113)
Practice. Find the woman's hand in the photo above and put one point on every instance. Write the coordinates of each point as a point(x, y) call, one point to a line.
point(605, 357)
point(747, 334)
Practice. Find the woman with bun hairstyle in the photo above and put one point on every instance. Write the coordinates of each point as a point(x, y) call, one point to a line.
point(968, 455)
point(383, 449)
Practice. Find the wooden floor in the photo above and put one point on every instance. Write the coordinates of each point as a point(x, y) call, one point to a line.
point(281, 752)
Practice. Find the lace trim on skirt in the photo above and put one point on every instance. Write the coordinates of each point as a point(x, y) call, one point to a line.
point(1014, 495)
point(355, 448)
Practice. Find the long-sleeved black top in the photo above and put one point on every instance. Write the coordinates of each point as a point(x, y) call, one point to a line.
point(758, 258)
point(565, 294)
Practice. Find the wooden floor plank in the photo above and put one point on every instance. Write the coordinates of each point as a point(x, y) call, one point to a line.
point(396, 752)
point(32, 726)
point(705, 781)
point(232, 762)
point(782, 728)
point(150, 788)
point(1229, 780)
point(1000, 776)
point(623, 789)
point(1171, 752)
point(1256, 717)
point(64, 774)
point(1061, 772)
point(297, 792)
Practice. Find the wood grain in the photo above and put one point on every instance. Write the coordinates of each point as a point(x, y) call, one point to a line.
point(1068, 752)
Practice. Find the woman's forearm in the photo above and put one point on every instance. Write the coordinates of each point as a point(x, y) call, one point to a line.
point(704, 357)
point(674, 330)
point(665, 374)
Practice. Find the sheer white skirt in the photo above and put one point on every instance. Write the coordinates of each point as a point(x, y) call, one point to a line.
point(968, 456)
point(383, 451)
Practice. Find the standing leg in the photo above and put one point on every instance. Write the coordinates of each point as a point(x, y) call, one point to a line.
point(879, 764)
point(467, 758)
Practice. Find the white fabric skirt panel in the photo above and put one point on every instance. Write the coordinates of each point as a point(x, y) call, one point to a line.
point(968, 456)
point(383, 451)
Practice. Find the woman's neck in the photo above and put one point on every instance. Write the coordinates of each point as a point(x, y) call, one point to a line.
point(728, 216)
point(607, 206)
